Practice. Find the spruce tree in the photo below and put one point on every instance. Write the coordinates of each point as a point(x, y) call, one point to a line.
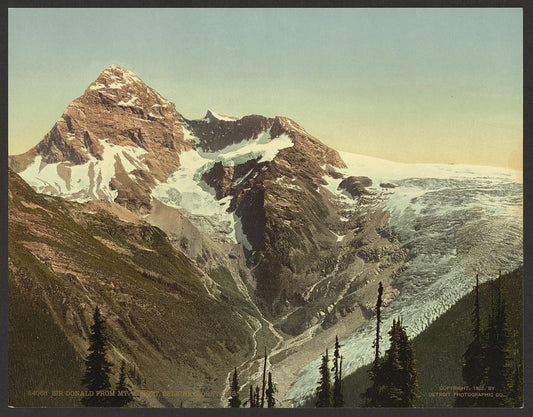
point(409, 375)
point(473, 369)
point(395, 382)
point(271, 389)
point(123, 395)
point(391, 370)
point(97, 367)
point(234, 400)
point(338, 400)
point(516, 393)
point(372, 395)
point(264, 380)
point(257, 397)
point(379, 302)
point(323, 391)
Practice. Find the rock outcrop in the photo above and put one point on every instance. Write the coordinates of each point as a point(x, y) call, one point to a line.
point(356, 186)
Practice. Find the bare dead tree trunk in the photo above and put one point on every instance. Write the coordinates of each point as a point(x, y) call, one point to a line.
point(264, 380)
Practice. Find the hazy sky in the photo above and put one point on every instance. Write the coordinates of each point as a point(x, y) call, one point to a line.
point(420, 85)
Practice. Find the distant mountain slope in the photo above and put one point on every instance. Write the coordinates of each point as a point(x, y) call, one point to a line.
point(176, 327)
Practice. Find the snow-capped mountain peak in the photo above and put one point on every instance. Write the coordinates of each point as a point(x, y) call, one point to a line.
point(121, 136)
point(119, 85)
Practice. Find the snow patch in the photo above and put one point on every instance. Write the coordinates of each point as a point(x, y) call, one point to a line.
point(129, 103)
point(187, 134)
point(116, 86)
point(283, 182)
point(96, 86)
point(240, 236)
point(295, 127)
point(163, 100)
point(263, 148)
point(88, 181)
point(241, 179)
point(223, 117)
point(155, 116)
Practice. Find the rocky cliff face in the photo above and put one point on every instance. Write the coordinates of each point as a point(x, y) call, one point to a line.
point(303, 243)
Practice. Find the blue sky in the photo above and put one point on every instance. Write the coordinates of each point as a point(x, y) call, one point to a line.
point(420, 85)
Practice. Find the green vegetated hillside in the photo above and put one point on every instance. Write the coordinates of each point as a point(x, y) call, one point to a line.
point(173, 325)
point(440, 347)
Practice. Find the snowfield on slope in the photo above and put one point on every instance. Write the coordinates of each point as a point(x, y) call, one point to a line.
point(86, 181)
point(457, 220)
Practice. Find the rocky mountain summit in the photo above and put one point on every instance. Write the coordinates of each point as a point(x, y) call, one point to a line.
point(95, 148)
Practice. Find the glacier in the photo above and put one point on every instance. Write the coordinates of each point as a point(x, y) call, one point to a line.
point(457, 220)
point(186, 190)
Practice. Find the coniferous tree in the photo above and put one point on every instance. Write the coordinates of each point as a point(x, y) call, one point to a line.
point(257, 397)
point(123, 395)
point(372, 395)
point(395, 382)
point(379, 302)
point(97, 367)
point(271, 389)
point(323, 391)
point(516, 393)
point(391, 370)
point(473, 370)
point(234, 400)
point(341, 381)
point(516, 390)
point(409, 375)
point(338, 400)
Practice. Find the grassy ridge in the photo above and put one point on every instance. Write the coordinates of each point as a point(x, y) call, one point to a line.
point(36, 340)
point(440, 347)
